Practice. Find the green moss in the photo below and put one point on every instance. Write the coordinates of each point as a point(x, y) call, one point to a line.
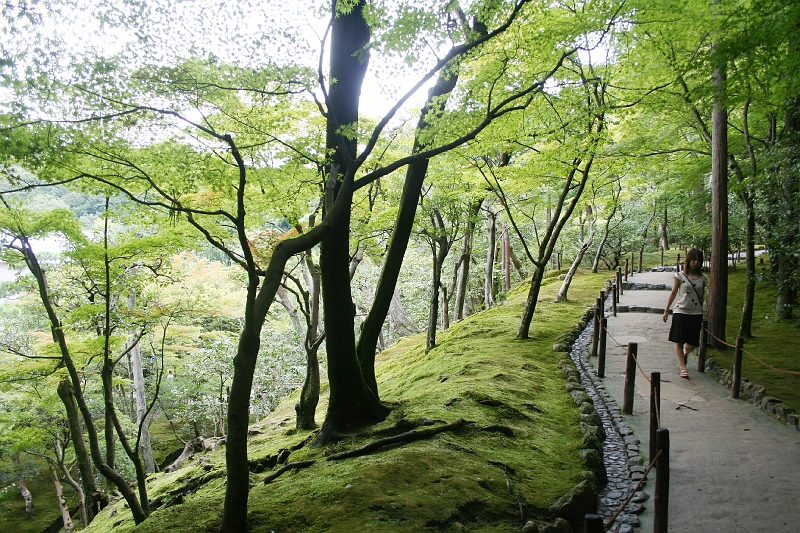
point(523, 432)
point(774, 341)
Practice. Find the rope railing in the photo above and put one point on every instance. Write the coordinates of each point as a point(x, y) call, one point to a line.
point(776, 369)
point(607, 526)
point(634, 358)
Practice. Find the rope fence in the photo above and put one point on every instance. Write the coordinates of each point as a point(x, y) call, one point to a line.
point(776, 369)
point(611, 520)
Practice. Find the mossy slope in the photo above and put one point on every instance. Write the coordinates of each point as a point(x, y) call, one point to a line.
point(519, 453)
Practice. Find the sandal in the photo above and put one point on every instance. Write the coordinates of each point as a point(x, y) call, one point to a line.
point(684, 374)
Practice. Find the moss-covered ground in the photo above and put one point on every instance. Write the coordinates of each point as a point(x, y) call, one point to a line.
point(519, 453)
point(774, 342)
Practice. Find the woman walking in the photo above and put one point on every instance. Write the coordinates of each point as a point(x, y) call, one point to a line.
point(688, 289)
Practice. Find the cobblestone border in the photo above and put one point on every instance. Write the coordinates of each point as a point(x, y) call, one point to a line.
point(610, 452)
point(756, 394)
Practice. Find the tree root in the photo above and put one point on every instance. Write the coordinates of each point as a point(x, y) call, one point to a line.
point(175, 496)
point(499, 428)
point(297, 465)
point(408, 436)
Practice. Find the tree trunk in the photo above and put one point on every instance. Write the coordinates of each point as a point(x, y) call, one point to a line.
point(433, 304)
point(606, 231)
point(404, 224)
point(718, 288)
point(750, 288)
point(663, 238)
point(354, 400)
point(562, 292)
point(27, 496)
point(548, 242)
point(78, 492)
point(79, 446)
point(491, 245)
point(459, 308)
point(506, 247)
point(787, 262)
point(137, 510)
point(139, 391)
point(62, 501)
point(306, 408)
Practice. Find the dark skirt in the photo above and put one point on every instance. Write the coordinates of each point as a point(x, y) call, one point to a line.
point(685, 329)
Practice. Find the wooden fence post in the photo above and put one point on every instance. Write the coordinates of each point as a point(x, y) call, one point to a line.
point(737, 368)
point(630, 379)
point(601, 359)
point(593, 523)
point(660, 518)
point(596, 333)
point(655, 409)
point(701, 350)
point(619, 281)
point(614, 299)
point(626, 269)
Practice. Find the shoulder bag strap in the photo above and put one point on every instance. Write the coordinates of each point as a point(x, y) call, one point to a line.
point(699, 298)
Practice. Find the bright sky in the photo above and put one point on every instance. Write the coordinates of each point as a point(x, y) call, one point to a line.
point(232, 31)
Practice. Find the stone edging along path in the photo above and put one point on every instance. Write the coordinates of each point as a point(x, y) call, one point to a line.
point(610, 450)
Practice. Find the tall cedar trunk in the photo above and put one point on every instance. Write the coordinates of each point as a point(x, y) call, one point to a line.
point(135, 357)
point(718, 288)
point(462, 286)
point(79, 446)
point(491, 246)
point(404, 223)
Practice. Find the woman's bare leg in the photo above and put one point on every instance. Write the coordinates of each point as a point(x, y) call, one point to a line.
point(680, 356)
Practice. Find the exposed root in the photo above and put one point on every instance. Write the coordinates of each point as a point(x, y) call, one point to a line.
point(175, 496)
point(408, 436)
point(499, 428)
point(297, 465)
